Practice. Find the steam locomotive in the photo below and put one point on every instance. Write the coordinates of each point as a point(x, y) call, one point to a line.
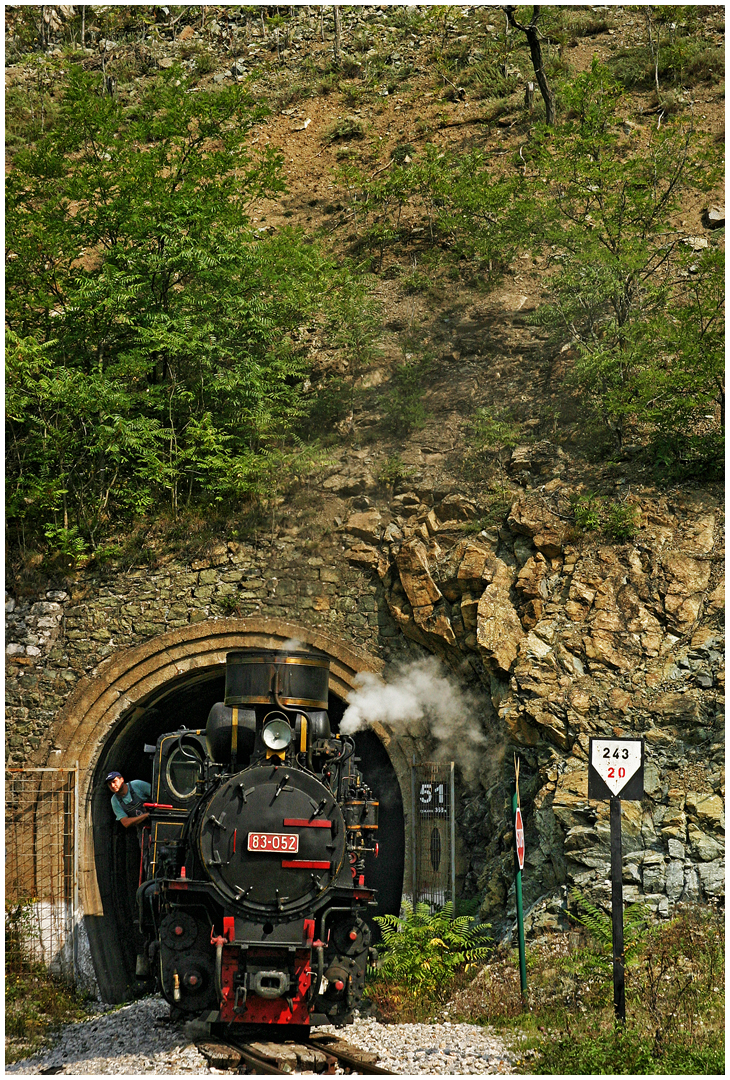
point(253, 893)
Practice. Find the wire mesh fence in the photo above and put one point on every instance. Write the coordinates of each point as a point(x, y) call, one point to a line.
point(433, 835)
point(41, 827)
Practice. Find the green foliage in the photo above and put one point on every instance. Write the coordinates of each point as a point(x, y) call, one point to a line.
point(462, 205)
point(586, 512)
point(497, 499)
point(677, 54)
point(67, 542)
point(349, 127)
point(328, 406)
point(618, 520)
point(679, 458)
point(32, 107)
point(422, 952)
point(567, 25)
point(393, 471)
point(674, 991)
point(36, 1003)
point(645, 315)
point(621, 522)
point(152, 352)
point(488, 82)
point(626, 1052)
point(674, 997)
point(598, 924)
point(487, 431)
point(205, 62)
point(402, 401)
point(416, 281)
point(354, 324)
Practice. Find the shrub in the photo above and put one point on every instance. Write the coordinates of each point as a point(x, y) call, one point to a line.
point(349, 127)
point(487, 431)
point(586, 512)
point(205, 62)
point(621, 522)
point(422, 953)
point(393, 471)
point(416, 281)
point(598, 924)
point(328, 407)
point(618, 520)
point(402, 402)
point(35, 1001)
point(674, 997)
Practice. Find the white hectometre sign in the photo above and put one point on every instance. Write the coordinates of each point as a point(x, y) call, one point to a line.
point(616, 761)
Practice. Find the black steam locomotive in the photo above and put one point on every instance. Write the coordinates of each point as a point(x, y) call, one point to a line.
point(253, 895)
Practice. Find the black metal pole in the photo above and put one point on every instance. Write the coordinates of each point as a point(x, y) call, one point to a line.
point(617, 913)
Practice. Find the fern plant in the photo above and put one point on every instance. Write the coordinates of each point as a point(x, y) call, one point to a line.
point(598, 925)
point(423, 952)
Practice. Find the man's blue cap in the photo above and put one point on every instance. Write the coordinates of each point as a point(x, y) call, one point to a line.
point(112, 776)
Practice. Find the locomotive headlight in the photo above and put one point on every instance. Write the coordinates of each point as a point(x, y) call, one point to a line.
point(277, 734)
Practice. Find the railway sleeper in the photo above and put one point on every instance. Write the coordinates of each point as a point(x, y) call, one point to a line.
point(321, 1055)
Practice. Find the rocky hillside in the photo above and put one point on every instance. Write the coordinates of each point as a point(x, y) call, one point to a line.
point(547, 568)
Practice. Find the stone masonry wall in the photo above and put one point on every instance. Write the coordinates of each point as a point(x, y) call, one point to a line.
point(55, 638)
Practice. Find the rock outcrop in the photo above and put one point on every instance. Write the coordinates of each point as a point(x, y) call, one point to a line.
point(572, 638)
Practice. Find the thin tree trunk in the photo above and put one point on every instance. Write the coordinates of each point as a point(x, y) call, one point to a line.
point(654, 51)
point(338, 35)
point(533, 40)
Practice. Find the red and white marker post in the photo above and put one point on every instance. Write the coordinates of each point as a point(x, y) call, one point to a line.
point(519, 864)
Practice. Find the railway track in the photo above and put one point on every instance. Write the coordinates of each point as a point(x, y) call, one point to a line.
point(322, 1053)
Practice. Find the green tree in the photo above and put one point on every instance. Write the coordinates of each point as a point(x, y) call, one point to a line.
point(647, 320)
point(158, 327)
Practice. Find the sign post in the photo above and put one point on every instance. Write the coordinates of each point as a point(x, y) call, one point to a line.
point(615, 772)
point(519, 864)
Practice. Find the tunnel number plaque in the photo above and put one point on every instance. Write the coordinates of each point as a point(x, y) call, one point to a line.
point(273, 841)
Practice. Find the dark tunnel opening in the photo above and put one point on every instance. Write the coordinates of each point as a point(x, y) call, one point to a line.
point(114, 938)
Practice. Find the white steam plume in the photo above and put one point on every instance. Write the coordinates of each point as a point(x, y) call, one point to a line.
point(420, 694)
point(292, 644)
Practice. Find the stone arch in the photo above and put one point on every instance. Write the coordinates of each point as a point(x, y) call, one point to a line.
point(102, 700)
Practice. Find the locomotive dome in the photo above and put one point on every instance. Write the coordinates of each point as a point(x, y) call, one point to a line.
point(295, 679)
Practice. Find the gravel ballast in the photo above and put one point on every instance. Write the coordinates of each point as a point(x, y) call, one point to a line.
point(139, 1038)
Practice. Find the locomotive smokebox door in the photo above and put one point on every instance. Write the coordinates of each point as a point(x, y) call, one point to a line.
point(272, 841)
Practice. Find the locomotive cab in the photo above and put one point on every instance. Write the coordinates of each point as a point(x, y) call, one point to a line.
point(256, 887)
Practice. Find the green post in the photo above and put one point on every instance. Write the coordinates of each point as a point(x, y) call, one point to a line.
point(518, 897)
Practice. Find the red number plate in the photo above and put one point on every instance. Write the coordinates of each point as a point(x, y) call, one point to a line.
point(273, 841)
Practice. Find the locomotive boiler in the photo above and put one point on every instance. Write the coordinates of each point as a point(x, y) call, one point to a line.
point(253, 895)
